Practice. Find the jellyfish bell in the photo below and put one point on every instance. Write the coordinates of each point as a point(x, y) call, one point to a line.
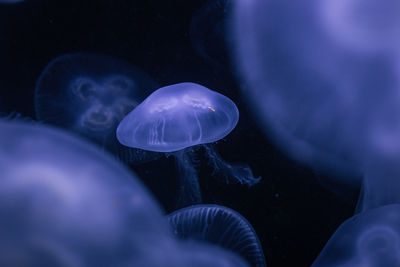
point(174, 119)
point(220, 226)
point(90, 94)
point(371, 238)
point(52, 184)
point(178, 116)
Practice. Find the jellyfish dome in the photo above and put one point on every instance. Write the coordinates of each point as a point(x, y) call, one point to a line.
point(220, 226)
point(178, 116)
point(90, 94)
point(369, 239)
point(64, 201)
point(319, 99)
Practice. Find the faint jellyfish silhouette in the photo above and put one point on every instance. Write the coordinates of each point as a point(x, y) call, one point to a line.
point(90, 94)
point(178, 117)
point(209, 32)
point(322, 101)
point(370, 239)
point(51, 189)
point(370, 25)
point(220, 226)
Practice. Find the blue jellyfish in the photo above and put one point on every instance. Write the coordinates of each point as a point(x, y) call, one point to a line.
point(90, 94)
point(367, 239)
point(220, 226)
point(176, 118)
point(64, 201)
point(328, 102)
point(209, 34)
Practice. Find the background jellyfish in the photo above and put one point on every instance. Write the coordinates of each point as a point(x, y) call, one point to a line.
point(324, 102)
point(90, 94)
point(220, 226)
point(208, 32)
point(367, 239)
point(10, 1)
point(63, 202)
point(175, 118)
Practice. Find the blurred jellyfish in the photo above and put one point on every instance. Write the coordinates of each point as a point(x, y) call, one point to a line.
point(10, 1)
point(322, 101)
point(208, 32)
point(369, 239)
point(220, 226)
point(63, 202)
point(178, 117)
point(90, 94)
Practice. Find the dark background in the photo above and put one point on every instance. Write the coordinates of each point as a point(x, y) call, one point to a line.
point(292, 212)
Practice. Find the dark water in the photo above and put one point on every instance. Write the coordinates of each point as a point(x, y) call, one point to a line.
point(293, 214)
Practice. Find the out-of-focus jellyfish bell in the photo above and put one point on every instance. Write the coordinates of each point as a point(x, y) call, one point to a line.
point(323, 101)
point(220, 226)
point(64, 202)
point(90, 94)
point(177, 117)
point(369, 239)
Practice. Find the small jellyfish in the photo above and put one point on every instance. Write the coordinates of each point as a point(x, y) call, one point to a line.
point(90, 94)
point(64, 202)
point(367, 239)
point(176, 118)
point(220, 226)
point(209, 32)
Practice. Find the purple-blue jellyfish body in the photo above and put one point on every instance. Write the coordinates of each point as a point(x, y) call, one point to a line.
point(220, 226)
point(328, 101)
point(176, 118)
point(64, 202)
point(90, 94)
point(370, 239)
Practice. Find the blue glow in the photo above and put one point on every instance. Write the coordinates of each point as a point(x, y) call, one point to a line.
point(368, 239)
point(90, 94)
point(220, 226)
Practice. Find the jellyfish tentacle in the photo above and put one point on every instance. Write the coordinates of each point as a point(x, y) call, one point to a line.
point(189, 188)
point(233, 173)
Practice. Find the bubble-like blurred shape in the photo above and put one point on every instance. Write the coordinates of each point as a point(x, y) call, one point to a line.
point(368, 239)
point(90, 94)
point(64, 202)
point(221, 226)
point(176, 118)
point(323, 102)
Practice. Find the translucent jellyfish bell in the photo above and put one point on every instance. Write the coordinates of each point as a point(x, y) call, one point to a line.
point(65, 201)
point(371, 239)
point(90, 94)
point(177, 117)
point(220, 226)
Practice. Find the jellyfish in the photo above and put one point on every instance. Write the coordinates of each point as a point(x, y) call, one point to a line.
point(176, 119)
point(220, 226)
point(324, 102)
point(90, 94)
point(370, 239)
point(64, 202)
point(208, 32)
